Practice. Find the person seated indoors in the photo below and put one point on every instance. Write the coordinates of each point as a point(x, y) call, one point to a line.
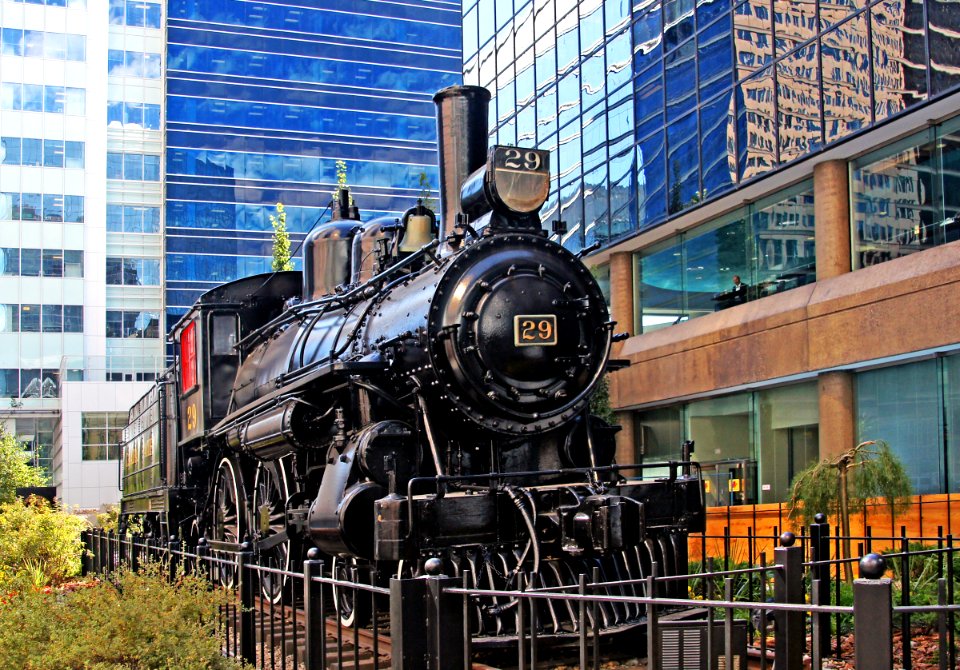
point(739, 292)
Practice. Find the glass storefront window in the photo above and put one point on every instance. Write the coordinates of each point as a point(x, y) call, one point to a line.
point(769, 246)
point(750, 446)
point(905, 196)
point(788, 435)
point(901, 405)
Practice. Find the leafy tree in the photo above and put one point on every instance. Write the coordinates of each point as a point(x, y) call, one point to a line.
point(15, 469)
point(600, 401)
point(844, 485)
point(281, 241)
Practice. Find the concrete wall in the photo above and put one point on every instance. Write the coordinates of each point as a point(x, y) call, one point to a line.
point(89, 484)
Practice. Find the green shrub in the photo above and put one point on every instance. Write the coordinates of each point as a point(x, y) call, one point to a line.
point(136, 621)
point(39, 542)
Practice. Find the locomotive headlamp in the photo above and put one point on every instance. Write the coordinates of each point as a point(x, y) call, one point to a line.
point(514, 182)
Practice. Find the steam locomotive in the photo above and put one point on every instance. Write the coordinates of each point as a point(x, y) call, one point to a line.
point(418, 391)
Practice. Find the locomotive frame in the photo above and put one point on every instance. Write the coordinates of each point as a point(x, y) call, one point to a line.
point(414, 393)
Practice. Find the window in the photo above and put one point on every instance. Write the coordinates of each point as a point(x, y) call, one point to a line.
point(30, 318)
point(72, 263)
point(35, 152)
point(9, 318)
point(100, 434)
point(136, 167)
point(749, 445)
point(37, 44)
point(9, 262)
point(133, 271)
point(128, 324)
point(768, 245)
point(73, 318)
point(52, 263)
point(905, 196)
point(133, 64)
point(135, 13)
point(52, 318)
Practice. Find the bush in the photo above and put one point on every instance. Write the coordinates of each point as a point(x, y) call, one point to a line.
point(136, 621)
point(39, 542)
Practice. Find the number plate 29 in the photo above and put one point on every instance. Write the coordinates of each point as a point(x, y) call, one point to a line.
point(535, 330)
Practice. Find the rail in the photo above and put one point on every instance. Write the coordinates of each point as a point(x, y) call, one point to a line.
point(792, 612)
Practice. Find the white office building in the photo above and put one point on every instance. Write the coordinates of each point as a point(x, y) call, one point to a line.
point(81, 100)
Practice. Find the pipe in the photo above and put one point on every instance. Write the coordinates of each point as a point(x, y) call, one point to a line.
point(462, 144)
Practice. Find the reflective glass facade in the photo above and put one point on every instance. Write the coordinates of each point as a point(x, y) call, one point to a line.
point(264, 99)
point(769, 246)
point(654, 107)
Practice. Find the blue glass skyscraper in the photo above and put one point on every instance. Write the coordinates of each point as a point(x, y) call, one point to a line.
point(264, 99)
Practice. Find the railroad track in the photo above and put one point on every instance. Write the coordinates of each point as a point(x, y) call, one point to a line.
point(281, 638)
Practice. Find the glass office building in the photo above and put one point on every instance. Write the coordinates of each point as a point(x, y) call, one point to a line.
point(810, 148)
point(80, 241)
point(263, 100)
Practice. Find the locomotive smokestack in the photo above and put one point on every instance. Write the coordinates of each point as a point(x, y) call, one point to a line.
point(462, 138)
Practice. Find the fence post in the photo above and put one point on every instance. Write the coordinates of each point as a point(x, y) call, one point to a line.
point(172, 548)
point(203, 551)
point(873, 615)
point(415, 601)
point(315, 631)
point(820, 556)
point(248, 646)
point(134, 552)
point(788, 589)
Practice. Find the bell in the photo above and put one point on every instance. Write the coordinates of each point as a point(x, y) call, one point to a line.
point(417, 233)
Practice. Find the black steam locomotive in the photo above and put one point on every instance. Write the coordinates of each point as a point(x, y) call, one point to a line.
point(414, 393)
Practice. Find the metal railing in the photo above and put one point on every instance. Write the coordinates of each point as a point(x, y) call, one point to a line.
point(793, 610)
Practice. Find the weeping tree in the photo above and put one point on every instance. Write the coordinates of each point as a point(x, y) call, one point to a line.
point(281, 241)
point(844, 484)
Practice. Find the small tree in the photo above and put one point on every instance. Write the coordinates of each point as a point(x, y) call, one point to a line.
point(341, 180)
point(281, 241)
point(426, 191)
point(845, 484)
point(15, 469)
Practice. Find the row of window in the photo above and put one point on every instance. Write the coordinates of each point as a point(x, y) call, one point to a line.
point(39, 98)
point(39, 44)
point(73, 4)
point(132, 166)
point(41, 318)
point(24, 262)
point(41, 207)
point(29, 383)
point(48, 153)
point(133, 219)
point(133, 271)
point(769, 246)
point(762, 440)
point(133, 115)
point(131, 324)
point(136, 13)
point(122, 63)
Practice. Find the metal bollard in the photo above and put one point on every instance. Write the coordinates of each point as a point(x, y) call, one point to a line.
point(788, 588)
point(414, 602)
point(820, 555)
point(248, 647)
point(315, 632)
point(873, 615)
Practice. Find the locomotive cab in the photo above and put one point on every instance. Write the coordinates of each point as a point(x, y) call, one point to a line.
point(207, 343)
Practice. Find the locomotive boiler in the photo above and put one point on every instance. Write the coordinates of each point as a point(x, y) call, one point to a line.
point(421, 390)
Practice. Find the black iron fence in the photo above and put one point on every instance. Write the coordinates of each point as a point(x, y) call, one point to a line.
point(792, 610)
